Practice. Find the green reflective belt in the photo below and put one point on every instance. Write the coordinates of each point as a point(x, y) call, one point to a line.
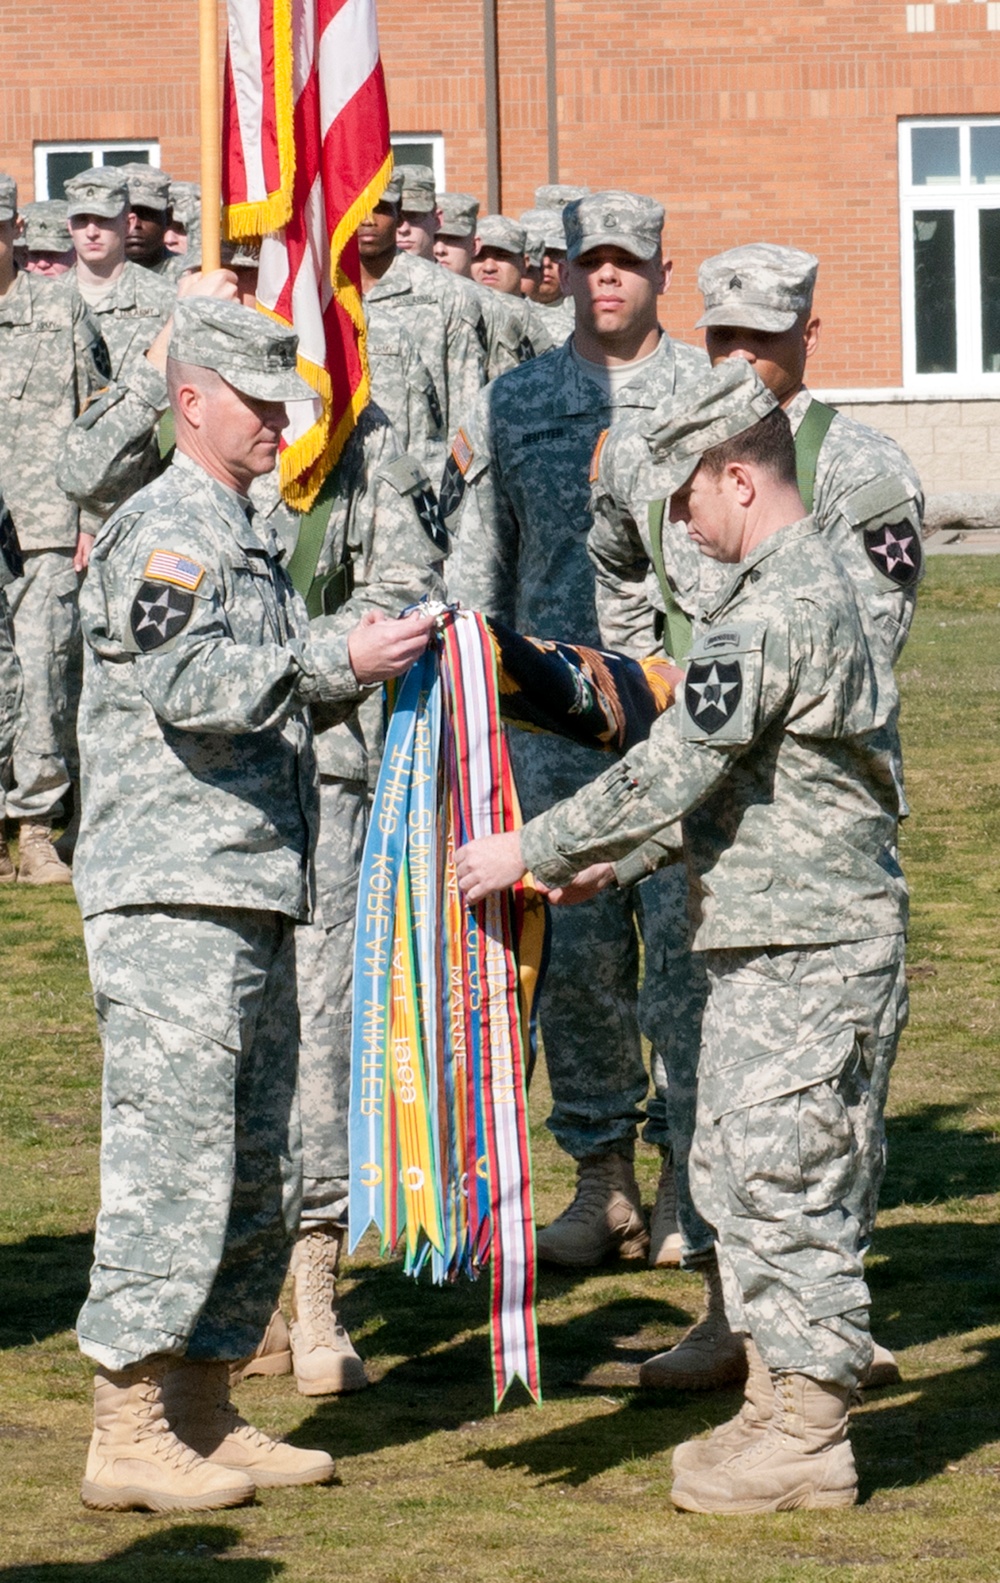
point(676, 625)
point(323, 595)
point(809, 438)
point(166, 435)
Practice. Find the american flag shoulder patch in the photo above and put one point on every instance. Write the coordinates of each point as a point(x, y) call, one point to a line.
point(462, 452)
point(165, 566)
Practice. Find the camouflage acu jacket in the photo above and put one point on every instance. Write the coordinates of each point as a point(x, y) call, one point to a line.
point(778, 755)
point(516, 490)
point(52, 361)
point(197, 767)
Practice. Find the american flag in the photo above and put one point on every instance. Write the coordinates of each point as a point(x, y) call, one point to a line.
point(305, 157)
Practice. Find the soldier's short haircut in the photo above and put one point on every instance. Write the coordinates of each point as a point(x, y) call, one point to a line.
point(769, 443)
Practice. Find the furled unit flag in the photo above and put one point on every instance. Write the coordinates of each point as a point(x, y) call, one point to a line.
point(305, 156)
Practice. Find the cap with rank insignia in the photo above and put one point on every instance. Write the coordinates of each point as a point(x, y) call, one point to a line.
point(496, 231)
point(45, 228)
point(8, 196)
point(459, 212)
point(253, 353)
point(148, 187)
point(757, 287)
point(101, 191)
point(556, 195)
point(418, 194)
point(614, 219)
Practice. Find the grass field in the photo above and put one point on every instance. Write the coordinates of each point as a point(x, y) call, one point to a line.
point(432, 1484)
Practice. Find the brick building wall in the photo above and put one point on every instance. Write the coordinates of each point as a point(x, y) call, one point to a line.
point(775, 120)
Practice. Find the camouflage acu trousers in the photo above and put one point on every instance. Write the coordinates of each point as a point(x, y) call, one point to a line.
point(47, 638)
point(591, 1005)
point(326, 970)
point(671, 1006)
point(789, 1139)
point(200, 1149)
point(10, 691)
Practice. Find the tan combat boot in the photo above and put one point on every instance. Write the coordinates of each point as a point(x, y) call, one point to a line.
point(693, 1456)
point(604, 1218)
point(136, 1460)
point(8, 873)
point(707, 1357)
point(323, 1356)
point(40, 863)
point(883, 1369)
point(273, 1355)
point(802, 1459)
point(664, 1237)
point(196, 1397)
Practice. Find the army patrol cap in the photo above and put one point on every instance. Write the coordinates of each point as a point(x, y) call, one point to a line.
point(418, 194)
point(148, 187)
point(495, 230)
point(761, 286)
point(557, 195)
point(731, 398)
point(45, 228)
point(8, 197)
point(101, 191)
point(614, 219)
point(185, 201)
point(459, 212)
point(544, 229)
point(251, 352)
point(394, 189)
point(242, 254)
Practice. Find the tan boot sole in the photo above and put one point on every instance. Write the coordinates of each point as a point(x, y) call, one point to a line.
point(632, 1250)
point(272, 1363)
point(802, 1498)
point(132, 1497)
point(268, 1479)
point(713, 1379)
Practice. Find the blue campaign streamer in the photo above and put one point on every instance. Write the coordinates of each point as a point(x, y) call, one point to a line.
point(381, 863)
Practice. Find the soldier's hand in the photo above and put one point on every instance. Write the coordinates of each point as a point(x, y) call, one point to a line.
point(380, 647)
point(84, 545)
point(494, 862)
point(221, 283)
point(581, 887)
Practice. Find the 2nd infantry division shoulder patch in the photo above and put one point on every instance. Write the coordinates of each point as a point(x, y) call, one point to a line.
point(894, 549)
point(712, 692)
point(159, 612)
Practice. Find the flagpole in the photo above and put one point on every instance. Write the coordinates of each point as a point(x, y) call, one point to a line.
point(211, 133)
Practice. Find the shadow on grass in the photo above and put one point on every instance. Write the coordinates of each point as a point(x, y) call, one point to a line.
point(172, 1555)
point(933, 1158)
point(44, 1282)
point(450, 1389)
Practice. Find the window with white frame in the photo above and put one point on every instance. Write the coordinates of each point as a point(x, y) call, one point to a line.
point(55, 163)
point(950, 213)
point(421, 148)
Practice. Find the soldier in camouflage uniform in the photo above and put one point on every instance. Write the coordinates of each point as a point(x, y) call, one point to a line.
point(444, 321)
point(553, 199)
point(193, 874)
point(866, 499)
point(508, 319)
point(799, 908)
point(130, 304)
point(52, 361)
point(516, 488)
point(552, 312)
point(11, 686)
point(148, 219)
point(48, 250)
point(183, 233)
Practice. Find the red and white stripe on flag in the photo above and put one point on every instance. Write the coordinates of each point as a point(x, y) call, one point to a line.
point(329, 108)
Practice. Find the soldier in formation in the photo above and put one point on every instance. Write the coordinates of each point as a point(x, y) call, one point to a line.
point(799, 914)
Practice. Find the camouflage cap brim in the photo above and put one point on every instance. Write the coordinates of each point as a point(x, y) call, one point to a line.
point(102, 205)
point(742, 314)
point(266, 385)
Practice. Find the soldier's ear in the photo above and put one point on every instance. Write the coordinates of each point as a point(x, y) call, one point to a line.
point(810, 336)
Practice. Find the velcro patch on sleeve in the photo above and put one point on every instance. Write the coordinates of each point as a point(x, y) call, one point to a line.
point(462, 452)
point(595, 460)
point(158, 615)
point(166, 566)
